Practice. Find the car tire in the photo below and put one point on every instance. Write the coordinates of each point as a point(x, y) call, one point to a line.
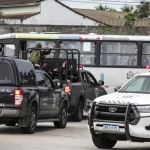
point(30, 129)
point(78, 115)
point(103, 142)
point(63, 118)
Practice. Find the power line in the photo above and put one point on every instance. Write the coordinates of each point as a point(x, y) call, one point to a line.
point(104, 2)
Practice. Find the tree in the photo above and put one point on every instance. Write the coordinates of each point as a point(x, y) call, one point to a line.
point(100, 7)
point(127, 8)
point(129, 19)
point(112, 9)
point(142, 10)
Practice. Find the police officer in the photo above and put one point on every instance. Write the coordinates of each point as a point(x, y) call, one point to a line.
point(45, 68)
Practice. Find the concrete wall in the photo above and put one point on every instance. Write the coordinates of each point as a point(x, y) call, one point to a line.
point(53, 13)
point(74, 29)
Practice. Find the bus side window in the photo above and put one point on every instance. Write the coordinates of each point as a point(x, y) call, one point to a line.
point(7, 49)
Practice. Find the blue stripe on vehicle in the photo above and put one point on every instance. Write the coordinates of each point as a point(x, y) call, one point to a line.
point(102, 76)
point(76, 37)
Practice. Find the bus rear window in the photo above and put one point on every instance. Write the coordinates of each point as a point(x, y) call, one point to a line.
point(5, 74)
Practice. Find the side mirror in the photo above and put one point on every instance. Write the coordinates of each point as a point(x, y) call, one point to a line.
point(117, 88)
point(58, 84)
point(100, 83)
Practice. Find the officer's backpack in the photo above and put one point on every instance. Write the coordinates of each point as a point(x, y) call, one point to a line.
point(35, 56)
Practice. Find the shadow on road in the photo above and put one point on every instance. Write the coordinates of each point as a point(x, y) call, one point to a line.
point(70, 120)
point(16, 130)
point(131, 148)
point(10, 130)
point(40, 128)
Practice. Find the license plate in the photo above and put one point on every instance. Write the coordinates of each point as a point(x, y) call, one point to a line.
point(111, 127)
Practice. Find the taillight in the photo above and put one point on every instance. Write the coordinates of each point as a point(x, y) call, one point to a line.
point(68, 89)
point(18, 97)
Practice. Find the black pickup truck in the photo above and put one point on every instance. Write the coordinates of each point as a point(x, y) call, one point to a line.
point(81, 93)
point(28, 95)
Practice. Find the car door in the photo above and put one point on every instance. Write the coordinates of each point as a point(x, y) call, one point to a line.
point(93, 88)
point(86, 86)
point(44, 95)
point(54, 96)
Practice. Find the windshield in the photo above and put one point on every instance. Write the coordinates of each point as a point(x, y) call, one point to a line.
point(139, 84)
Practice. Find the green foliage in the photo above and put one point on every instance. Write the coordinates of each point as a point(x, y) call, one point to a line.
point(100, 7)
point(105, 8)
point(142, 10)
point(129, 19)
point(127, 8)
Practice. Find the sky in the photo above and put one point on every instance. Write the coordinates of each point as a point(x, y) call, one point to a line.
point(91, 4)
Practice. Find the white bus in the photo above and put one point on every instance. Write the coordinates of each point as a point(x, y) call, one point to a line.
point(111, 58)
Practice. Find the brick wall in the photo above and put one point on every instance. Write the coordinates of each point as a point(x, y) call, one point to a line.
point(74, 29)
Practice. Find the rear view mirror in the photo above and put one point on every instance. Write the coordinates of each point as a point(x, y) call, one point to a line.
point(117, 88)
point(100, 83)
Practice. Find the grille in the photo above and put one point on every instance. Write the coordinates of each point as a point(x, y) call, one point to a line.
point(103, 113)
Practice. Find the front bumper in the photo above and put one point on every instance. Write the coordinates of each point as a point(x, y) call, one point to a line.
point(141, 129)
point(9, 113)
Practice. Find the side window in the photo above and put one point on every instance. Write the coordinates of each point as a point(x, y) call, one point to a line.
point(118, 54)
point(40, 79)
point(87, 50)
point(91, 80)
point(44, 44)
point(84, 77)
point(26, 71)
point(7, 49)
point(145, 54)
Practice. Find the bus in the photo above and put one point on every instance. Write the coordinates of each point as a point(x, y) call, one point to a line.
point(111, 58)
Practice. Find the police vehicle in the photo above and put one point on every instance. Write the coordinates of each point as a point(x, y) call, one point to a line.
point(80, 85)
point(123, 115)
point(28, 95)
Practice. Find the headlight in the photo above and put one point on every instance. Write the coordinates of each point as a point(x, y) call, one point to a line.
point(143, 109)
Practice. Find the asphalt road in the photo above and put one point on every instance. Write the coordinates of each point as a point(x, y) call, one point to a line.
point(75, 136)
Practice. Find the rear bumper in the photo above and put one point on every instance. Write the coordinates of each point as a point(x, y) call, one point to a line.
point(10, 113)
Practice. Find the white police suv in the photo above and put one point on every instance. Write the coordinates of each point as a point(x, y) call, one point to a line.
point(123, 115)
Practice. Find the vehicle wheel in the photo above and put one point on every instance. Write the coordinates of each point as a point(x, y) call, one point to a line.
point(78, 115)
point(63, 118)
point(32, 122)
point(104, 143)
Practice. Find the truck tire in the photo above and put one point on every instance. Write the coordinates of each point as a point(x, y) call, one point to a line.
point(63, 118)
point(32, 122)
point(78, 115)
point(104, 142)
